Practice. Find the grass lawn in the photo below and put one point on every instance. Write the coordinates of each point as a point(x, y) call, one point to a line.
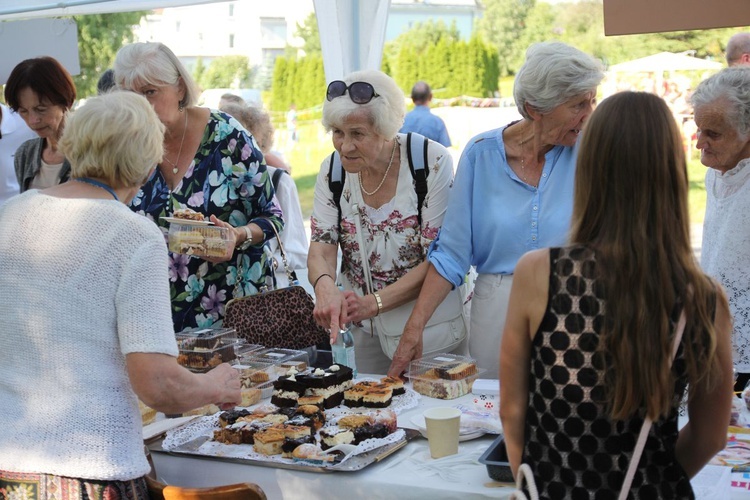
point(315, 145)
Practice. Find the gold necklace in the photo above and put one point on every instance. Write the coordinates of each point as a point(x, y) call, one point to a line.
point(175, 167)
point(359, 174)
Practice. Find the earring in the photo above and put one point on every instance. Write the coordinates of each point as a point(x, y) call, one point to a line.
point(181, 106)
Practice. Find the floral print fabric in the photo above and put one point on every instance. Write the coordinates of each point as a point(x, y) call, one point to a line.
point(228, 179)
point(394, 241)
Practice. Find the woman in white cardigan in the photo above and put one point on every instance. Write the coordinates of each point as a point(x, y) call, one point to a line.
point(87, 327)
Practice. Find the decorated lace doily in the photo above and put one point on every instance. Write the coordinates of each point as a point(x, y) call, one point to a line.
point(202, 429)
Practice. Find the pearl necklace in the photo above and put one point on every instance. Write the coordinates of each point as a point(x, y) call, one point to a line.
point(175, 166)
point(390, 163)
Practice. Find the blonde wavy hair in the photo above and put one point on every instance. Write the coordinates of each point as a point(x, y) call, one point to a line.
point(116, 137)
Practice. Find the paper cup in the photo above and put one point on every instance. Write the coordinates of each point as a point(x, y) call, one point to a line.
point(442, 430)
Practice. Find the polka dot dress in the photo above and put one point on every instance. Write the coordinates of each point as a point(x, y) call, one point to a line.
point(574, 449)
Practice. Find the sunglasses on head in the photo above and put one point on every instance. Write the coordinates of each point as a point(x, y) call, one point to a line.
point(359, 92)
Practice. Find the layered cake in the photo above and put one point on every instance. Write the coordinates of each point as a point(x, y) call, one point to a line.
point(456, 371)
point(332, 436)
point(369, 395)
point(271, 441)
point(363, 426)
point(309, 415)
point(396, 384)
point(188, 214)
point(328, 385)
point(430, 384)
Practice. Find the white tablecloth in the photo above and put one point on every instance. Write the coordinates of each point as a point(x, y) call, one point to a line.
point(410, 473)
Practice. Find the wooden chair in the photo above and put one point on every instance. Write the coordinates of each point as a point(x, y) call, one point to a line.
point(240, 491)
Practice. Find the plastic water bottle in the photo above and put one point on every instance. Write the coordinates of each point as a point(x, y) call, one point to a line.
point(343, 349)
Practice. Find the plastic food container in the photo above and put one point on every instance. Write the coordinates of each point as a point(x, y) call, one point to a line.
point(281, 359)
point(201, 240)
point(496, 459)
point(443, 375)
point(257, 375)
point(203, 349)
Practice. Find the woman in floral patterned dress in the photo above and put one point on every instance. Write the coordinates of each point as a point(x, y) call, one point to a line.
point(364, 121)
point(210, 165)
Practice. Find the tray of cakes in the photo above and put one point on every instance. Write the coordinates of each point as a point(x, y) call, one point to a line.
point(310, 412)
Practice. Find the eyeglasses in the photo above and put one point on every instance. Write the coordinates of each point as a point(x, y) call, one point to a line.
point(359, 92)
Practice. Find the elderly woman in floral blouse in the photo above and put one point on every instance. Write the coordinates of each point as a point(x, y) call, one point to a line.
point(364, 113)
point(210, 165)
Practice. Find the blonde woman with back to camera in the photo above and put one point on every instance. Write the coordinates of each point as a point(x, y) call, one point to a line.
point(85, 304)
point(587, 348)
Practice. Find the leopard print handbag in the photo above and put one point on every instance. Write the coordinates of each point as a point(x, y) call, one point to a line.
point(280, 318)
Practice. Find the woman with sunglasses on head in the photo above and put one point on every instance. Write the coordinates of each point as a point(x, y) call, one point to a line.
point(42, 92)
point(210, 165)
point(513, 193)
point(364, 113)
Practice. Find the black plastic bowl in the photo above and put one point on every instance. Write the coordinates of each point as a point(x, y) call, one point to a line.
point(496, 460)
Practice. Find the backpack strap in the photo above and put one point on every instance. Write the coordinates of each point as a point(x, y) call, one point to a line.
point(276, 177)
point(415, 144)
point(336, 181)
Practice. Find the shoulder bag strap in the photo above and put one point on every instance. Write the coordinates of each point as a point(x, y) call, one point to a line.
point(641, 443)
point(290, 274)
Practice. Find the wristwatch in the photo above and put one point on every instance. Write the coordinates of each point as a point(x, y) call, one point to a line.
point(248, 238)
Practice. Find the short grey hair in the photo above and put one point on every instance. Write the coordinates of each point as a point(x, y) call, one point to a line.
point(153, 63)
point(733, 86)
point(386, 112)
point(554, 73)
point(737, 45)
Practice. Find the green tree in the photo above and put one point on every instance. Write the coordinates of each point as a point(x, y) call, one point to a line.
point(308, 31)
point(199, 70)
point(502, 25)
point(100, 36)
point(227, 72)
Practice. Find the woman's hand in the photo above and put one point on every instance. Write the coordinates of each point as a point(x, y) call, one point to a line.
point(231, 242)
point(409, 348)
point(360, 308)
point(330, 307)
point(227, 380)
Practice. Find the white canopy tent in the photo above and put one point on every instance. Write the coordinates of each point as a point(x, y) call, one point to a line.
point(666, 61)
point(29, 9)
point(352, 32)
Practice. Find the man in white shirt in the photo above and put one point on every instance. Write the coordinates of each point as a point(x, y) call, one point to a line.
point(13, 133)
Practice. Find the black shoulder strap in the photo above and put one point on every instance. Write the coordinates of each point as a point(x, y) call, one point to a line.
point(336, 181)
point(418, 166)
point(276, 177)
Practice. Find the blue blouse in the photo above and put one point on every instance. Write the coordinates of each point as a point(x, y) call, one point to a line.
point(493, 217)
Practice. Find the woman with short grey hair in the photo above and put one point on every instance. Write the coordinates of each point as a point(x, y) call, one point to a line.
point(721, 105)
point(513, 193)
point(377, 215)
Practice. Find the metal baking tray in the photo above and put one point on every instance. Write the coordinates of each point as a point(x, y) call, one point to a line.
point(353, 464)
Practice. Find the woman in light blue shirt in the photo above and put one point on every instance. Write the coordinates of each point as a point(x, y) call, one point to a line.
point(513, 192)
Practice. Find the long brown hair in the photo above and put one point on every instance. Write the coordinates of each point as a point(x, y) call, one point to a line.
point(631, 207)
